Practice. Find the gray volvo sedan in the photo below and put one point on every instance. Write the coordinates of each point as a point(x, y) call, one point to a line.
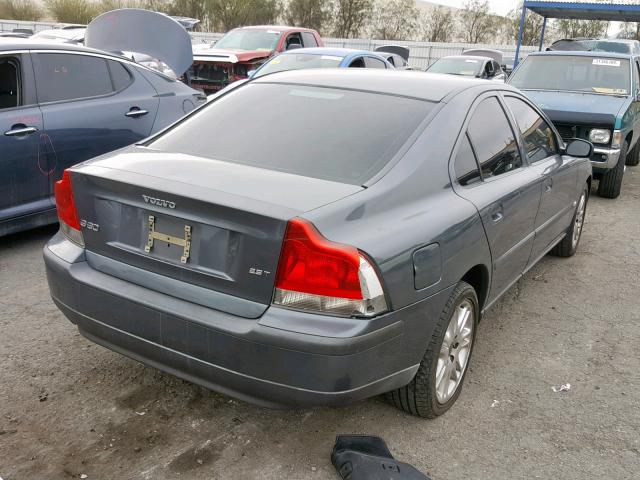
point(318, 237)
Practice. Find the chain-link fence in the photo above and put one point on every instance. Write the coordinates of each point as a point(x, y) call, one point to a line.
point(11, 25)
point(422, 54)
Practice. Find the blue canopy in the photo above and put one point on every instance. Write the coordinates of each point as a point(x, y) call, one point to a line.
point(623, 11)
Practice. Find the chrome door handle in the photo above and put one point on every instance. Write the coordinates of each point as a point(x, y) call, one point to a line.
point(497, 217)
point(548, 185)
point(16, 132)
point(135, 113)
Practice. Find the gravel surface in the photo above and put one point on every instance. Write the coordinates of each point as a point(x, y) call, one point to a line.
point(70, 408)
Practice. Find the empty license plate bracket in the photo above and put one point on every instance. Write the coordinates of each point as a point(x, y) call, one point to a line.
point(184, 242)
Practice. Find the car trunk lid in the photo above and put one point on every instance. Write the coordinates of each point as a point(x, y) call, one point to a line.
point(202, 230)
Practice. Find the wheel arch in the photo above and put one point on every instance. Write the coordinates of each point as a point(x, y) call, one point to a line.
point(478, 277)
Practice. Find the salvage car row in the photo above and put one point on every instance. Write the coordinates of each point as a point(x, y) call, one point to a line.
point(306, 237)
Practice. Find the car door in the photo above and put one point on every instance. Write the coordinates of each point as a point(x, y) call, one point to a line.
point(492, 175)
point(24, 188)
point(91, 105)
point(558, 178)
point(635, 106)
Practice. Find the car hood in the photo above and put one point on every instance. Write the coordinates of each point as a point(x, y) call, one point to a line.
point(208, 53)
point(578, 108)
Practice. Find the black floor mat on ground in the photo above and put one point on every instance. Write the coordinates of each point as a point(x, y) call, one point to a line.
point(365, 457)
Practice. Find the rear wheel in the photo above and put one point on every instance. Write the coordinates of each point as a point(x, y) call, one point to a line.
point(438, 381)
point(634, 155)
point(569, 244)
point(611, 181)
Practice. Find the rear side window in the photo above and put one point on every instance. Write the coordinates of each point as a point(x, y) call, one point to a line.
point(63, 76)
point(309, 131)
point(371, 62)
point(9, 83)
point(120, 76)
point(493, 140)
point(465, 164)
point(309, 39)
point(539, 139)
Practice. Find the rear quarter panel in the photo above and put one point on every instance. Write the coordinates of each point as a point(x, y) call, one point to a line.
point(176, 99)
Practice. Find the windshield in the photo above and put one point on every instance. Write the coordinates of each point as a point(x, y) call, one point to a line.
point(609, 76)
point(468, 67)
point(246, 39)
point(293, 61)
point(607, 46)
point(310, 131)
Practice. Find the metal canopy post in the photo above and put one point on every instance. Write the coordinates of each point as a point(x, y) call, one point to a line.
point(520, 35)
point(544, 27)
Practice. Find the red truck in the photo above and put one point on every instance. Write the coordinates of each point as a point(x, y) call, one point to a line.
point(242, 50)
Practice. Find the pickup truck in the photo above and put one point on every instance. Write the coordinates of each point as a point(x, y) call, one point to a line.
point(241, 50)
point(592, 95)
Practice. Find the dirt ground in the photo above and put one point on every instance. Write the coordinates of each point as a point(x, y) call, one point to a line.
point(70, 408)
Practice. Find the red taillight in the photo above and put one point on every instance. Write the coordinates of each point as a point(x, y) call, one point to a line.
point(64, 202)
point(310, 263)
point(321, 276)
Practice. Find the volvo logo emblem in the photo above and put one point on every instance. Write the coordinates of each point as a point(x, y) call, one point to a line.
point(159, 202)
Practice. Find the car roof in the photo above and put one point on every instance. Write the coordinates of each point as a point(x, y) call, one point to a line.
point(276, 28)
point(421, 85)
point(580, 54)
point(337, 52)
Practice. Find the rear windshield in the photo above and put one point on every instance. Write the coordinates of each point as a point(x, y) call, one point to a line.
point(249, 39)
point(606, 46)
point(468, 67)
point(590, 74)
point(296, 61)
point(340, 135)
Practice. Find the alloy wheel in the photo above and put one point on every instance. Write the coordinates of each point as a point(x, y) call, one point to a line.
point(455, 351)
point(579, 220)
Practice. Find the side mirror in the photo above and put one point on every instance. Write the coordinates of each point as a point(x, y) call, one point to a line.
point(293, 46)
point(579, 148)
point(251, 73)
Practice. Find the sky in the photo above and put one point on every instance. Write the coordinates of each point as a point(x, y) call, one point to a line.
point(503, 7)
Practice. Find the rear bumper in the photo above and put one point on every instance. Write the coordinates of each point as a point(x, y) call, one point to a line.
point(605, 158)
point(284, 358)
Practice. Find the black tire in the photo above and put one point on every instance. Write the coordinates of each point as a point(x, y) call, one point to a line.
point(634, 155)
point(611, 181)
point(419, 397)
point(567, 246)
